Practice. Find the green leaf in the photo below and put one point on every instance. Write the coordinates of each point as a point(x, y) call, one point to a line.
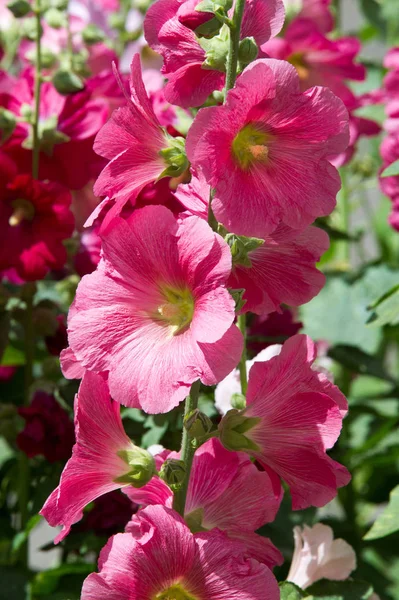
point(13, 583)
point(46, 583)
point(388, 521)
point(392, 170)
point(12, 357)
point(22, 536)
point(339, 590)
point(372, 12)
point(386, 309)
point(290, 591)
point(157, 426)
point(360, 362)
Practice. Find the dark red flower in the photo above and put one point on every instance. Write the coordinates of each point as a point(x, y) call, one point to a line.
point(109, 515)
point(271, 329)
point(59, 340)
point(48, 430)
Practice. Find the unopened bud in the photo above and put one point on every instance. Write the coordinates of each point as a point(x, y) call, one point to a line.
point(92, 34)
point(56, 18)
point(232, 430)
point(175, 158)
point(60, 4)
point(247, 50)
point(241, 246)
point(238, 401)
point(141, 466)
point(67, 82)
point(19, 8)
point(216, 50)
point(29, 29)
point(7, 124)
point(197, 424)
point(173, 472)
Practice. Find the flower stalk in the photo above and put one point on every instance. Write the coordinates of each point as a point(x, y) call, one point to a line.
point(242, 367)
point(232, 60)
point(37, 89)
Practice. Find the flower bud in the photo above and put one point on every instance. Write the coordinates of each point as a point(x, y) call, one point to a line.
point(142, 466)
point(173, 472)
point(240, 246)
point(67, 82)
point(238, 401)
point(232, 429)
point(247, 51)
point(55, 18)
point(92, 34)
point(175, 158)
point(60, 4)
point(19, 8)
point(29, 29)
point(216, 50)
point(197, 424)
point(7, 124)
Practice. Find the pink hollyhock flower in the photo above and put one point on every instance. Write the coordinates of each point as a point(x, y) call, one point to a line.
point(103, 458)
point(88, 255)
point(48, 429)
point(317, 59)
point(156, 314)
point(390, 185)
point(168, 30)
point(317, 11)
point(35, 219)
point(237, 499)
point(68, 125)
point(358, 127)
point(266, 150)
point(163, 559)
point(265, 330)
point(134, 143)
point(281, 270)
point(318, 556)
point(293, 415)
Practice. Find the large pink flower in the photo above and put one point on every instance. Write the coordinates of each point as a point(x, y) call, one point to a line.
point(132, 142)
point(281, 270)
point(162, 559)
point(266, 151)
point(295, 416)
point(156, 313)
point(318, 60)
point(35, 219)
point(100, 457)
point(226, 491)
point(169, 31)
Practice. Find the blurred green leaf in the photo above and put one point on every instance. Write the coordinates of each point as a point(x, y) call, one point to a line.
point(388, 521)
point(339, 590)
point(289, 591)
point(386, 309)
point(359, 362)
point(22, 536)
point(392, 170)
point(46, 582)
point(372, 10)
point(12, 357)
point(157, 426)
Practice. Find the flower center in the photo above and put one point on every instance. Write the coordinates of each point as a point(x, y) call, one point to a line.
point(174, 592)
point(250, 146)
point(178, 309)
point(23, 211)
point(298, 61)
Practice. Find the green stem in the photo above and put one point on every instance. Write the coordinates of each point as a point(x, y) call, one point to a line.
point(242, 367)
point(38, 83)
point(187, 450)
point(232, 60)
point(212, 221)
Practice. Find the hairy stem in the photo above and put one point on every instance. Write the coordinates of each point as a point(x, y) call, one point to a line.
point(187, 450)
point(241, 321)
point(232, 60)
point(37, 89)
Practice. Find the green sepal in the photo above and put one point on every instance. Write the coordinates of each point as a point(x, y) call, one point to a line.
point(241, 246)
point(216, 50)
point(19, 8)
point(142, 467)
point(232, 429)
point(175, 158)
point(173, 472)
point(214, 6)
point(197, 424)
point(238, 401)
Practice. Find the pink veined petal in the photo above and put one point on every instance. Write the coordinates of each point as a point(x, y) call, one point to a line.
point(259, 547)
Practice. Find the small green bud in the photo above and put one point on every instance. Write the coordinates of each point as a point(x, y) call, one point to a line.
point(26, 112)
point(8, 123)
point(238, 298)
point(56, 18)
point(116, 21)
point(232, 430)
point(19, 8)
point(175, 158)
point(92, 34)
point(216, 50)
point(141, 466)
point(60, 4)
point(197, 424)
point(173, 472)
point(247, 51)
point(142, 5)
point(29, 29)
point(66, 82)
point(240, 246)
point(238, 401)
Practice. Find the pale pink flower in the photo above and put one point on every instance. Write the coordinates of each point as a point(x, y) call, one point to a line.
point(282, 270)
point(100, 457)
point(318, 556)
point(162, 559)
point(236, 498)
point(132, 141)
point(168, 28)
point(156, 314)
point(295, 416)
point(266, 151)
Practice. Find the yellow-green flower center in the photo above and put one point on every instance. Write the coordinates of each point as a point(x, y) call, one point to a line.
point(174, 592)
point(250, 146)
point(297, 59)
point(23, 210)
point(177, 310)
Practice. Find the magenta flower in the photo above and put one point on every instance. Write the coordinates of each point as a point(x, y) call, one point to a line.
point(103, 458)
point(281, 270)
point(390, 185)
point(293, 415)
point(156, 314)
point(135, 144)
point(317, 11)
point(168, 28)
point(35, 219)
point(266, 151)
point(236, 498)
point(317, 59)
point(162, 559)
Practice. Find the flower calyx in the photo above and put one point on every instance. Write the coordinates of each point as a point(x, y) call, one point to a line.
point(173, 472)
point(232, 430)
point(175, 157)
point(141, 464)
point(216, 50)
point(241, 246)
point(197, 424)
